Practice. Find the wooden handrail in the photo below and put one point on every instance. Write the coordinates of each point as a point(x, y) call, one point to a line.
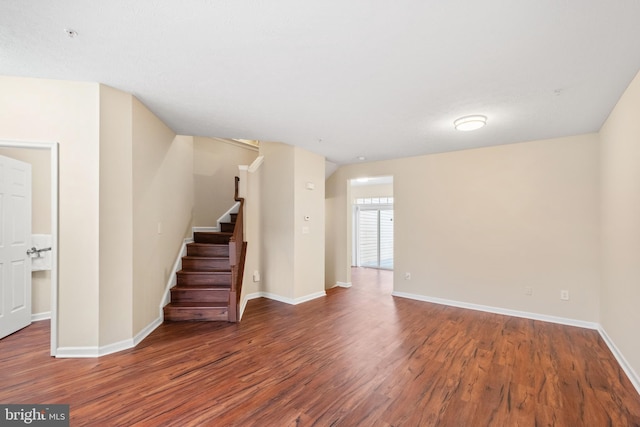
point(237, 250)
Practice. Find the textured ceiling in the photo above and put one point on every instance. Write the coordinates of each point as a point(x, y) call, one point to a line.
point(370, 78)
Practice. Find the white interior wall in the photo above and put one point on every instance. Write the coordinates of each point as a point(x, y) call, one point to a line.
point(67, 113)
point(479, 226)
point(620, 292)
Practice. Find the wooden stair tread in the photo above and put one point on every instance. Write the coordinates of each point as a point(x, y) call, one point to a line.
point(204, 287)
point(208, 272)
point(223, 234)
point(215, 237)
point(200, 304)
point(220, 233)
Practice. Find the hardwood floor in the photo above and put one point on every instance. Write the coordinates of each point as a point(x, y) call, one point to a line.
point(358, 357)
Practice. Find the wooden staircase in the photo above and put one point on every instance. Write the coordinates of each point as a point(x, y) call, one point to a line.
point(209, 283)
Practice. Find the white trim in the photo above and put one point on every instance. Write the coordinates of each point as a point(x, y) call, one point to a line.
point(309, 297)
point(498, 310)
point(343, 284)
point(93, 351)
point(245, 300)
point(278, 298)
point(286, 300)
point(226, 217)
point(253, 167)
point(243, 167)
point(254, 295)
point(205, 229)
point(146, 331)
point(172, 280)
point(86, 352)
point(77, 352)
point(626, 367)
point(115, 347)
point(36, 317)
point(53, 147)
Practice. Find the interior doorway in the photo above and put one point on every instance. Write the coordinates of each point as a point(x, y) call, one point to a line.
point(373, 216)
point(45, 212)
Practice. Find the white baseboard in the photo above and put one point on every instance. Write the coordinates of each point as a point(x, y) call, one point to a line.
point(498, 310)
point(115, 347)
point(309, 297)
point(291, 301)
point(343, 284)
point(76, 352)
point(93, 351)
point(626, 367)
point(171, 282)
point(85, 352)
point(146, 331)
point(36, 317)
point(245, 300)
point(254, 295)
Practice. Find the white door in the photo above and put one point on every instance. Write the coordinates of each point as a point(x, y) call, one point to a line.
point(15, 241)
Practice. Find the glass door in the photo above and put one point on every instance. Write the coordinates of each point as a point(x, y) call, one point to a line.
point(375, 237)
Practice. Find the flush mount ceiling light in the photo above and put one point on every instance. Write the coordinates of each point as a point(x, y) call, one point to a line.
point(361, 158)
point(468, 123)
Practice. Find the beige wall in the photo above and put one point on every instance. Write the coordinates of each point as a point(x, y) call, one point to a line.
point(66, 112)
point(277, 202)
point(40, 160)
point(162, 208)
point(337, 241)
point(478, 226)
point(215, 164)
point(366, 191)
point(116, 224)
point(122, 172)
point(292, 261)
point(308, 235)
point(620, 159)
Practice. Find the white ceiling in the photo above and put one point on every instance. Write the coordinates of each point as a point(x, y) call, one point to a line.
point(374, 78)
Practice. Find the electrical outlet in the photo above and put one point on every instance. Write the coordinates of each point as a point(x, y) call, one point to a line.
point(407, 276)
point(528, 290)
point(564, 295)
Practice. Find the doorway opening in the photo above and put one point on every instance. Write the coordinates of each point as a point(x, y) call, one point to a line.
point(372, 201)
point(7, 146)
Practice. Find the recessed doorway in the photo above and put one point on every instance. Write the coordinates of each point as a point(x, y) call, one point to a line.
point(372, 201)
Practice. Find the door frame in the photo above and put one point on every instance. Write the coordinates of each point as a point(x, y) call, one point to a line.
point(53, 148)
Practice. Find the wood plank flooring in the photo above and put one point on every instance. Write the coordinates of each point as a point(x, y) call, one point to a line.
point(358, 357)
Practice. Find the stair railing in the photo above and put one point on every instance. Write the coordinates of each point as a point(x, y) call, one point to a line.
point(237, 251)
